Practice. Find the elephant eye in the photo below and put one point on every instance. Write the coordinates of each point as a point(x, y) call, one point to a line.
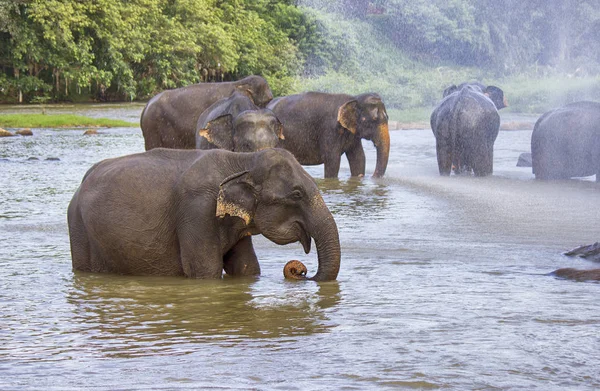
point(296, 195)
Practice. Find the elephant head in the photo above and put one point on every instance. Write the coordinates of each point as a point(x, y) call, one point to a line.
point(249, 131)
point(497, 96)
point(494, 93)
point(257, 88)
point(366, 117)
point(275, 197)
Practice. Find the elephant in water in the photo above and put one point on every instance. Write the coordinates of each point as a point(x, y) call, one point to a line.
point(191, 213)
point(565, 142)
point(169, 119)
point(319, 128)
point(237, 124)
point(465, 125)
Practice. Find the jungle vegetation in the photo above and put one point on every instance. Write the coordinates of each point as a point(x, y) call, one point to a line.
point(542, 52)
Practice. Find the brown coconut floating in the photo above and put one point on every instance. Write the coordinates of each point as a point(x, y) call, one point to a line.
point(295, 270)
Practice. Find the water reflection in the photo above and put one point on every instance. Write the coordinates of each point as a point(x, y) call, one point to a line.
point(355, 196)
point(130, 316)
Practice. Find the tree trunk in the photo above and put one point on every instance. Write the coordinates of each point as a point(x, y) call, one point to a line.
point(20, 94)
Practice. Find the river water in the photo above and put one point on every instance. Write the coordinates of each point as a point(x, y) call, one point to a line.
point(443, 285)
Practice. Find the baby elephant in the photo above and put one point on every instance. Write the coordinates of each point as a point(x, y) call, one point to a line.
point(237, 124)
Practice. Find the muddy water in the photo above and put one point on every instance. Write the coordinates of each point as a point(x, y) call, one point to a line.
point(443, 285)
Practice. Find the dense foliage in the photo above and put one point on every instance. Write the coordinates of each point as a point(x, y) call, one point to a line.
point(407, 50)
point(542, 52)
point(117, 49)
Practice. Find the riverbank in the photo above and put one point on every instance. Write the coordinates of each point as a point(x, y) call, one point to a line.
point(58, 121)
point(128, 114)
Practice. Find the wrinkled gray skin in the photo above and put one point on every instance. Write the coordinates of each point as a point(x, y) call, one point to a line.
point(320, 127)
point(169, 119)
point(465, 125)
point(565, 142)
point(237, 124)
point(192, 213)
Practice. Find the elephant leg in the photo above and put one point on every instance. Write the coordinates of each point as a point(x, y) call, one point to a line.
point(200, 252)
point(444, 157)
point(332, 164)
point(80, 245)
point(483, 164)
point(241, 260)
point(356, 159)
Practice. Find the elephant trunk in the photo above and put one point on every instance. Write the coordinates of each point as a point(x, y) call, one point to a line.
point(382, 144)
point(323, 229)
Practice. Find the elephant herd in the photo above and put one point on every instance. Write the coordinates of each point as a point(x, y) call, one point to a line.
point(223, 163)
point(565, 142)
point(242, 116)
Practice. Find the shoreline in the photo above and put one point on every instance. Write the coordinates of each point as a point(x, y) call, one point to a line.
point(423, 125)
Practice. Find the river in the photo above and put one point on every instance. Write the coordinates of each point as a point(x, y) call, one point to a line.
point(443, 285)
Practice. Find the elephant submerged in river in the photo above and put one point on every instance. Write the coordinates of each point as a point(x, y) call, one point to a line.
point(465, 125)
point(565, 142)
point(192, 213)
point(169, 119)
point(320, 127)
point(236, 124)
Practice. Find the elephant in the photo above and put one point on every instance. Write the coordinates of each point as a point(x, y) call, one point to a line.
point(169, 119)
point(320, 127)
point(465, 125)
point(192, 213)
point(237, 124)
point(494, 93)
point(565, 142)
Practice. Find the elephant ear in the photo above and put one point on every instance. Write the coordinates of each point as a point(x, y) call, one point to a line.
point(278, 126)
point(219, 132)
point(497, 96)
point(348, 115)
point(237, 197)
point(246, 90)
point(280, 131)
point(453, 88)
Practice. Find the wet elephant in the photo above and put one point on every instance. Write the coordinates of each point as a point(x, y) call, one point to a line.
point(465, 125)
point(494, 93)
point(237, 124)
point(169, 119)
point(565, 142)
point(192, 213)
point(320, 127)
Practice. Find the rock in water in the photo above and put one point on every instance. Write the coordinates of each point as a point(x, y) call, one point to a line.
point(295, 270)
point(524, 160)
point(5, 133)
point(591, 252)
point(578, 275)
point(25, 132)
